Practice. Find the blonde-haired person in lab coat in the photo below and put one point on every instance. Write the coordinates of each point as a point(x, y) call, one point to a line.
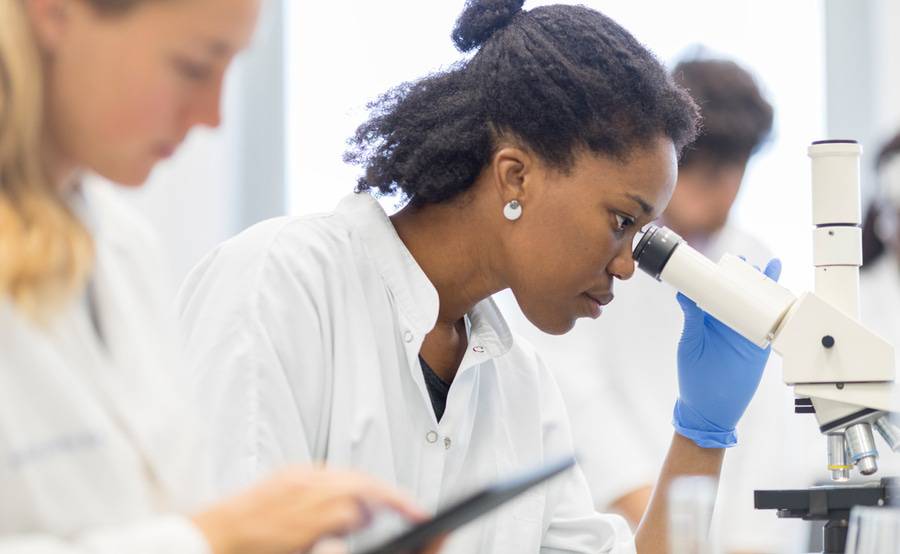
point(97, 454)
point(640, 332)
point(370, 341)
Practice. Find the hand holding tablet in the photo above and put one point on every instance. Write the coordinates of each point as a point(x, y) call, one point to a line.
point(464, 511)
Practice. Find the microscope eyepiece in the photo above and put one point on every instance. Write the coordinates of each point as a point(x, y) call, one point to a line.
point(654, 250)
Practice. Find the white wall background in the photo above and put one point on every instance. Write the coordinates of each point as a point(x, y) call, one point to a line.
point(341, 55)
point(863, 77)
point(885, 41)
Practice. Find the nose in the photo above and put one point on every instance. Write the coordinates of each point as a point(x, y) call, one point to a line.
point(206, 106)
point(622, 265)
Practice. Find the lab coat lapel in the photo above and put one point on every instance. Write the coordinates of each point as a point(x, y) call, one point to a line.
point(409, 288)
point(415, 296)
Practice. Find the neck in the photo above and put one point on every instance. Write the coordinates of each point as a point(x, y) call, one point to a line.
point(63, 172)
point(893, 250)
point(449, 245)
point(66, 180)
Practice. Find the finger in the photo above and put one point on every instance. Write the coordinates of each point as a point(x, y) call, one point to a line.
point(367, 492)
point(773, 269)
point(744, 258)
point(365, 510)
point(341, 517)
point(435, 545)
point(331, 545)
point(375, 492)
point(401, 505)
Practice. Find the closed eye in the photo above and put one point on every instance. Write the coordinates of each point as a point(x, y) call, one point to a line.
point(192, 71)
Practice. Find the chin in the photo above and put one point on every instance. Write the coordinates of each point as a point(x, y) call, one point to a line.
point(557, 326)
point(129, 177)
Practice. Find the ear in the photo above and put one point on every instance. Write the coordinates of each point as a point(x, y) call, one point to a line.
point(513, 170)
point(49, 18)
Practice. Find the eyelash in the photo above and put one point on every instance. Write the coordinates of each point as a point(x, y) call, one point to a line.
point(624, 222)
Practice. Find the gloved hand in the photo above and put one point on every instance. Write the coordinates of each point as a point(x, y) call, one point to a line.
point(718, 373)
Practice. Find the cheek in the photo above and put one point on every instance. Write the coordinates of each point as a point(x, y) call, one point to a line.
point(553, 278)
point(111, 106)
point(146, 109)
point(729, 194)
point(556, 256)
point(565, 252)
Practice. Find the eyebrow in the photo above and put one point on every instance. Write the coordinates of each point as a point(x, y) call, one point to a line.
point(646, 206)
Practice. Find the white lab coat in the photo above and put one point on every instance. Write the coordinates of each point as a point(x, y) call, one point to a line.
point(618, 377)
point(95, 456)
point(879, 299)
point(304, 336)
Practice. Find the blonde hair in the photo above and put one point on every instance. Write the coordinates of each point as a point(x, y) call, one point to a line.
point(46, 254)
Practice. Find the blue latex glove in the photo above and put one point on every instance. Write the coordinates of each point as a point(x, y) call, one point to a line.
point(718, 373)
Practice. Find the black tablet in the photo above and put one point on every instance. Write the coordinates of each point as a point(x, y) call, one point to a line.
point(467, 509)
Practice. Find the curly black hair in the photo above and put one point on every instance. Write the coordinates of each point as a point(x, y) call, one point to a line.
point(554, 79)
point(737, 119)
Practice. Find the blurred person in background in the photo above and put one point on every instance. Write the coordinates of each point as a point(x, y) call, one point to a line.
point(880, 276)
point(639, 333)
point(97, 450)
point(879, 279)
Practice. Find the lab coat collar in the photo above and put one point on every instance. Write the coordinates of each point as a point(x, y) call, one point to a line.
point(417, 299)
point(77, 202)
point(489, 330)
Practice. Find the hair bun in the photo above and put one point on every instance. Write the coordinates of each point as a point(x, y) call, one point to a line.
point(482, 18)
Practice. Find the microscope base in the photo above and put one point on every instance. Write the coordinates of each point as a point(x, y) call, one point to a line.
point(829, 503)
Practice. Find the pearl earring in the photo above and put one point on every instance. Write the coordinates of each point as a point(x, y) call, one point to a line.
point(513, 210)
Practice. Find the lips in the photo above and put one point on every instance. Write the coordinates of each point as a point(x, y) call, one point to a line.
point(602, 298)
point(165, 151)
point(168, 148)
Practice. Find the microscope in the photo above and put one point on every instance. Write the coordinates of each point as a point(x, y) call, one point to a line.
point(839, 370)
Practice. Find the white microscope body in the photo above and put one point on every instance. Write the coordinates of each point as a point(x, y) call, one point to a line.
point(839, 369)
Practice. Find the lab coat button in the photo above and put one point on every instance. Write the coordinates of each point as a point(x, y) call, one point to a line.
point(447, 443)
point(431, 436)
point(407, 336)
point(479, 349)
